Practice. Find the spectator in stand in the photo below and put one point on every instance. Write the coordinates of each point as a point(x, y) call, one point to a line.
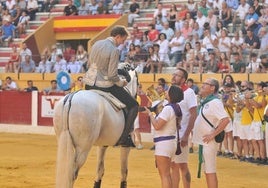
point(251, 43)
point(53, 54)
point(82, 57)
point(131, 54)
point(9, 84)
point(182, 13)
point(254, 64)
point(24, 51)
point(101, 8)
point(263, 19)
point(22, 4)
point(160, 11)
point(27, 66)
point(238, 66)
point(240, 14)
point(137, 32)
point(83, 9)
point(176, 47)
point(23, 22)
point(237, 42)
point(197, 31)
point(32, 8)
point(134, 40)
point(157, 65)
point(169, 32)
point(203, 7)
point(257, 7)
point(192, 7)
point(212, 20)
point(224, 63)
point(12, 65)
point(45, 66)
point(263, 40)
point(224, 44)
point(186, 29)
point(232, 4)
point(217, 6)
point(47, 5)
point(192, 85)
point(219, 28)
point(212, 65)
point(134, 11)
point(15, 19)
point(191, 39)
point(225, 15)
point(69, 52)
point(163, 49)
point(117, 7)
point(70, 9)
point(10, 6)
point(152, 57)
point(53, 88)
point(146, 43)
point(7, 16)
point(73, 66)
point(158, 22)
point(78, 84)
point(201, 56)
point(188, 58)
point(162, 81)
point(200, 19)
point(30, 87)
point(172, 16)
point(93, 7)
point(210, 41)
point(8, 32)
point(152, 33)
point(251, 21)
point(60, 64)
point(140, 59)
point(264, 64)
point(189, 19)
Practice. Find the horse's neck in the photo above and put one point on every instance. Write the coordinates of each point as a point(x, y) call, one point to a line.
point(132, 85)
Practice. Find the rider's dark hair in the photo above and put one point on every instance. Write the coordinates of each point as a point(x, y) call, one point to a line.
point(175, 94)
point(119, 30)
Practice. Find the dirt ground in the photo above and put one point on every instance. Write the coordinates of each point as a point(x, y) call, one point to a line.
point(28, 161)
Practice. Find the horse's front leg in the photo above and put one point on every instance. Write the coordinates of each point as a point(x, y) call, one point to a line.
point(100, 165)
point(124, 166)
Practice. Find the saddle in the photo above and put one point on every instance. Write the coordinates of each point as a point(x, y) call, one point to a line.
point(116, 104)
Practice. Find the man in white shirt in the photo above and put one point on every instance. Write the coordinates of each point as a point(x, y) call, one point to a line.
point(240, 14)
point(188, 106)
point(203, 134)
point(176, 47)
point(9, 84)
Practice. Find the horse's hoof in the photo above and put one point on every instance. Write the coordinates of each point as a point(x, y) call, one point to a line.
point(123, 184)
point(97, 184)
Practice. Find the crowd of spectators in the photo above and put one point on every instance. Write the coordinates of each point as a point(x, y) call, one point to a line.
point(53, 60)
point(206, 36)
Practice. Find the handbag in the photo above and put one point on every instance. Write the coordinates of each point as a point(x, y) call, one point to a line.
point(219, 137)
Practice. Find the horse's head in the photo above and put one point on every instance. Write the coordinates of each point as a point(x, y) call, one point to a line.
point(126, 71)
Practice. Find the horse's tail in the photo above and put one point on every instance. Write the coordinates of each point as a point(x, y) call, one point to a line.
point(65, 174)
point(65, 161)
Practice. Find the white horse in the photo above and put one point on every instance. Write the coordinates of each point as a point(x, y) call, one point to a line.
point(84, 119)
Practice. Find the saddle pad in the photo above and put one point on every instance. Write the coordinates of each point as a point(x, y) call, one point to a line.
point(116, 104)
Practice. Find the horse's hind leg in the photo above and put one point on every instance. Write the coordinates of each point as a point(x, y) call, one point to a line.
point(100, 165)
point(124, 166)
point(80, 159)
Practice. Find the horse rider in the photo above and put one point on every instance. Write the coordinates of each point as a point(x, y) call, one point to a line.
point(102, 75)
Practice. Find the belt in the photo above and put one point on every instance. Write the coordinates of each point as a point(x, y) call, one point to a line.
point(162, 138)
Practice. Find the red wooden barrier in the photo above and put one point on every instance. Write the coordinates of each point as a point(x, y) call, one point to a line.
point(15, 107)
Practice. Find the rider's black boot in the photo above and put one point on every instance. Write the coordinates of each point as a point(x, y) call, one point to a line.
point(125, 139)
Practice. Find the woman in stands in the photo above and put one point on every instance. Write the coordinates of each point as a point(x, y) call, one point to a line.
point(12, 65)
point(82, 57)
point(172, 16)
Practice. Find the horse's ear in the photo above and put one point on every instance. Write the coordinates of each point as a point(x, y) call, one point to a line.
point(124, 73)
